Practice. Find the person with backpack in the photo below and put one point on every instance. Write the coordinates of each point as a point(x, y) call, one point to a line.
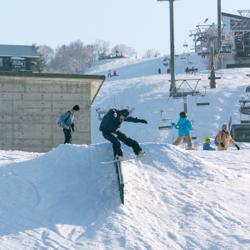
point(223, 139)
point(66, 121)
point(109, 127)
point(184, 126)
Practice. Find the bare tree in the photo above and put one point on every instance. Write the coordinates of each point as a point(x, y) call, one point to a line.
point(123, 50)
point(73, 58)
point(101, 48)
point(150, 53)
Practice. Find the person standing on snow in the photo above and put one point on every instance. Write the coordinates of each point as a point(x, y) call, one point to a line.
point(66, 121)
point(184, 126)
point(109, 127)
point(224, 138)
point(207, 144)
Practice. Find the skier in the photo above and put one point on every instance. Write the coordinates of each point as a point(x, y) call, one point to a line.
point(206, 144)
point(66, 121)
point(109, 127)
point(224, 138)
point(184, 126)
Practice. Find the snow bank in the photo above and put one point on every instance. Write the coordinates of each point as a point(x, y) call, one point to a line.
point(174, 199)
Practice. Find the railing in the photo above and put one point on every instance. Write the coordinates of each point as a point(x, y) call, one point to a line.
point(118, 167)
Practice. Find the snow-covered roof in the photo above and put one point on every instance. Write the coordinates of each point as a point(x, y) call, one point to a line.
point(18, 51)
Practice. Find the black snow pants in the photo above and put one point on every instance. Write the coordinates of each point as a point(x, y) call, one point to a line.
point(67, 135)
point(115, 140)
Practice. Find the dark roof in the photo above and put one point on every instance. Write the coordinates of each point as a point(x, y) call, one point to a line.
point(234, 16)
point(18, 51)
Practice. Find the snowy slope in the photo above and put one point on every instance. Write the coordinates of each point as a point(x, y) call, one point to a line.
point(131, 68)
point(149, 95)
point(174, 199)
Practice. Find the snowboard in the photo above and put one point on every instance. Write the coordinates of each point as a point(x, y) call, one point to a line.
point(124, 159)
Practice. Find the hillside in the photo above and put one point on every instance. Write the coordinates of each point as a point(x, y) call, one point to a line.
point(174, 198)
point(149, 96)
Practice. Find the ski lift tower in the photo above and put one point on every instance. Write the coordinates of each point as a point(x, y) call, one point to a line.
point(172, 89)
point(219, 31)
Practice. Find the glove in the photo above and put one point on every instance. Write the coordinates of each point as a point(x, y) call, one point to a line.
point(222, 144)
point(237, 146)
point(73, 127)
point(143, 121)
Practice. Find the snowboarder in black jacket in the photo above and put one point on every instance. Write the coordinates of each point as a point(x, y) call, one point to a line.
point(110, 125)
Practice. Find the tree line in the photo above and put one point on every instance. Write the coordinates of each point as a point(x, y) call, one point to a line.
point(77, 57)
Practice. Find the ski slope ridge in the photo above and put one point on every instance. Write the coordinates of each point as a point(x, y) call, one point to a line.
point(174, 199)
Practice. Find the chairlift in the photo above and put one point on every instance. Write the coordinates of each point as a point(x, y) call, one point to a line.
point(166, 61)
point(244, 111)
point(248, 91)
point(203, 99)
point(165, 123)
point(245, 107)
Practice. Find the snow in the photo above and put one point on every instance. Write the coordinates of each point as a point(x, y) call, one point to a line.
point(174, 198)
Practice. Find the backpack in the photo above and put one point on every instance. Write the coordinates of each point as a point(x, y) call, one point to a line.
point(63, 119)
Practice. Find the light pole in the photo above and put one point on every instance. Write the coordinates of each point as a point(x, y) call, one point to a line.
point(172, 89)
point(219, 31)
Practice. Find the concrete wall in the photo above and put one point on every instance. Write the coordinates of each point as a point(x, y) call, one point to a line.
point(30, 105)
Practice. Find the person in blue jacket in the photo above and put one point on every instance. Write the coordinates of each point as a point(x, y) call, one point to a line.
point(66, 122)
point(184, 126)
point(207, 144)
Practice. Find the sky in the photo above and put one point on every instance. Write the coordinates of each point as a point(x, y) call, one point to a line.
point(140, 24)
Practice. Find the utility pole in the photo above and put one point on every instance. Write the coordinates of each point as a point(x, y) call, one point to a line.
point(219, 30)
point(172, 89)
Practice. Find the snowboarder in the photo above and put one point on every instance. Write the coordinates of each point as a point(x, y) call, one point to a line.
point(224, 138)
point(184, 126)
point(109, 127)
point(66, 121)
point(207, 144)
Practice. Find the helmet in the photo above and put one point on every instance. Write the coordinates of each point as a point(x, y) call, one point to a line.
point(207, 139)
point(183, 114)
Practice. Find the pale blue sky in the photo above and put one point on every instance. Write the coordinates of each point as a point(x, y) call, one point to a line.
point(141, 24)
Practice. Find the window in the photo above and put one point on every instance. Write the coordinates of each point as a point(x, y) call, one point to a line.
point(1, 62)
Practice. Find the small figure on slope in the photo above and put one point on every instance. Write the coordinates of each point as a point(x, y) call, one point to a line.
point(110, 125)
point(223, 139)
point(184, 126)
point(207, 144)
